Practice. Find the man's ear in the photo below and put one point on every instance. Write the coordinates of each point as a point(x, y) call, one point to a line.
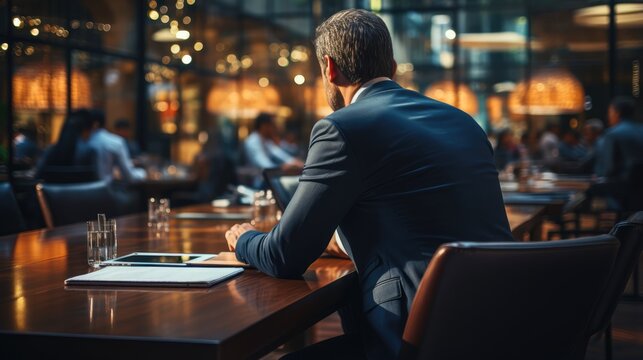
point(330, 70)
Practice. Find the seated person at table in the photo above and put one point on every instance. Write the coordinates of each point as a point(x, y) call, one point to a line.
point(398, 173)
point(261, 149)
point(621, 148)
point(123, 129)
point(65, 158)
point(113, 157)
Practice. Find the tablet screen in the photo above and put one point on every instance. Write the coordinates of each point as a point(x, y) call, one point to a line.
point(161, 259)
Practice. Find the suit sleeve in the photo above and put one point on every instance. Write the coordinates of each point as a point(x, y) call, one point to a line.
point(328, 187)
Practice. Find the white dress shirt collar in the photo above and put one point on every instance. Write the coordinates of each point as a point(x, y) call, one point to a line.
point(366, 85)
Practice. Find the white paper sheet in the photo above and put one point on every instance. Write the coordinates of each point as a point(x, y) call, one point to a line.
point(155, 276)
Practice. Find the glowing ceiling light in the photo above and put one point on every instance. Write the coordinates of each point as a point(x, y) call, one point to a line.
point(299, 79)
point(153, 14)
point(17, 22)
point(450, 34)
point(165, 19)
point(263, 82)
point(175, 48)
point(283, 62)
point(198, 46)
point(35, 32)
point(186, 59)
point(183, 34)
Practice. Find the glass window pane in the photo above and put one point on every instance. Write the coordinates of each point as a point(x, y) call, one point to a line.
point(201, 35)
point(106, 83)
point(45, 20)
point(107, 24)
point(292, 6)
point(492, 59)
point(162, 108)
point(39, 98)
point(279, 76)
point(423, 51)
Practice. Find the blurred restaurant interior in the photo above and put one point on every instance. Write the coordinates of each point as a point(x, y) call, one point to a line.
point(184, 81)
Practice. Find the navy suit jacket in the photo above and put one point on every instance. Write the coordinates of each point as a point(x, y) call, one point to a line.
point(399, 174)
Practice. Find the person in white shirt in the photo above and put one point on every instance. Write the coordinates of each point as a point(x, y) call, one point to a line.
point(113, 157)
point(262, 151)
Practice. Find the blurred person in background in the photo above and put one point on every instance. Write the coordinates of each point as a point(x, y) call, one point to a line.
point(26, 151)
point(620, 150)
point(592, 132)
point(548, 144)
point(214, 170)
point(67, 153)
point(506, 151)
point(123, 129)
point(113, 157)
point(261, 149)
point(570, 148)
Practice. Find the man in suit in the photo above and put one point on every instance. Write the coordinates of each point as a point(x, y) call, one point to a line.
point(397, 172)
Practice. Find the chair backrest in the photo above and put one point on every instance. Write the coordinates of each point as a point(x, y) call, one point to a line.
point(63, 204)
point(69, 174)
point(630, 235)
point(508, 300)
point(11, 220)
point(283, 184)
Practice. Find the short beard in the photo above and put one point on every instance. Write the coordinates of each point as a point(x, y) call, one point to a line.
point(334, 96)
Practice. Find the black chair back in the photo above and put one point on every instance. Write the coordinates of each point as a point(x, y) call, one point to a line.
point(630, 235)
point(11, 220)
point(68, 174)
point(71, 203)
point(508, 300)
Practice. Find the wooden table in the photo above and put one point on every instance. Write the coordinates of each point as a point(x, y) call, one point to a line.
point(244, 317)
point(526, 221)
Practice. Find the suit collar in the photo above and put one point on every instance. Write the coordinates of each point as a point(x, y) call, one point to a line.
point(376, 88)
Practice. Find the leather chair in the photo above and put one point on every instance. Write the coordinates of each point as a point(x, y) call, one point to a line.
point(508, 300)
point(69, 174)
point(71, 203)
point(11, 220)
point(630, 235)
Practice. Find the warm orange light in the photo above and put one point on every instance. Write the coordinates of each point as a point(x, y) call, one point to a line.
point(549, 92)
point(45, 88)
point(464, 99)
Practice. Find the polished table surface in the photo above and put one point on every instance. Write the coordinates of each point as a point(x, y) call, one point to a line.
point(246, 316)
point(242, 317)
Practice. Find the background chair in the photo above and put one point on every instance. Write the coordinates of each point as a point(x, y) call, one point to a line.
point(71, 203)
point(508, 300)
point(630, 235)
point(69, 174)
point(11, 220)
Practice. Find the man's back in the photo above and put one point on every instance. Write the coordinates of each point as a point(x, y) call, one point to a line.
point(427, 177)
point(400, 174)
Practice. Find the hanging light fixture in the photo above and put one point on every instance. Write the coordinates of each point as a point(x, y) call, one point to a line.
point(548, 92)
point(464, 99)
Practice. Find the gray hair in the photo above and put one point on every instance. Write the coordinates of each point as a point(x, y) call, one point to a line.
point(359, 43)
